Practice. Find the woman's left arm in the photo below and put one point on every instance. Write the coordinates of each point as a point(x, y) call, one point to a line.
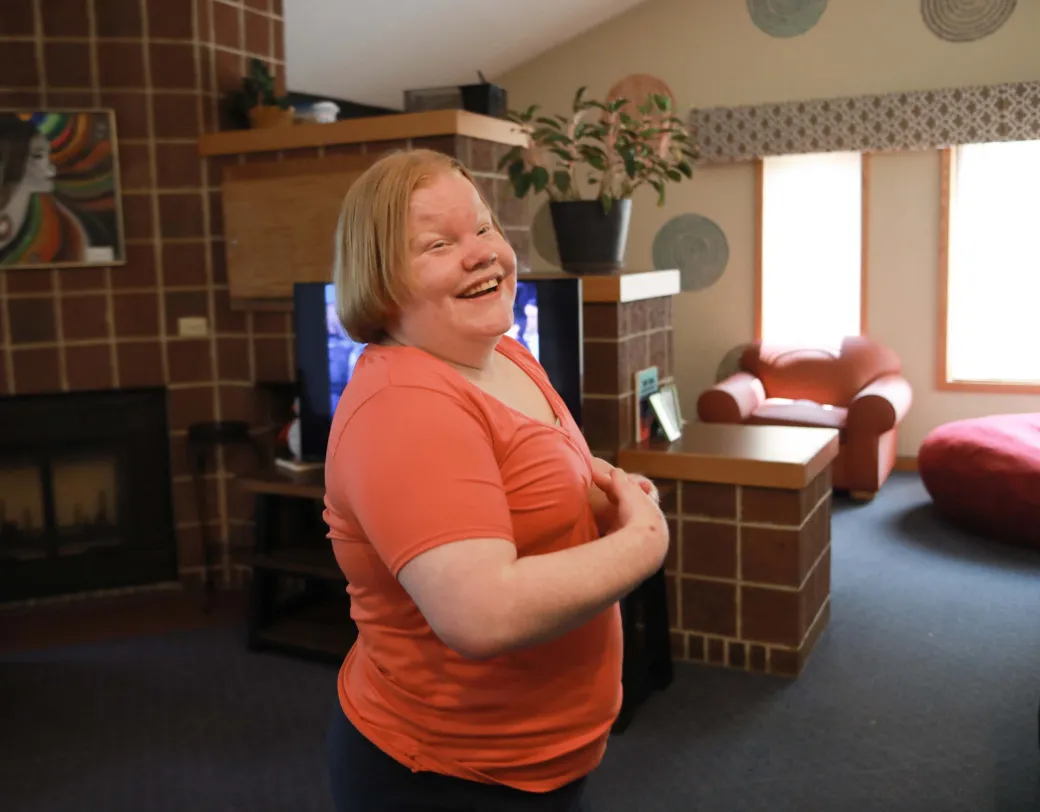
point(603, 509)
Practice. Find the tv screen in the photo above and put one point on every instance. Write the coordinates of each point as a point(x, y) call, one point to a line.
point(546, 320)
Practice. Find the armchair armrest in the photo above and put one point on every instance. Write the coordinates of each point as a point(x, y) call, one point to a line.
point(731, 400)
point(880, 406)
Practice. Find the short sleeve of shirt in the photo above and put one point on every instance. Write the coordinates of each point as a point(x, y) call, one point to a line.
point(417, 469)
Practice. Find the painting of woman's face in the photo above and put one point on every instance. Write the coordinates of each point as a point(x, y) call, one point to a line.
point(39, 171)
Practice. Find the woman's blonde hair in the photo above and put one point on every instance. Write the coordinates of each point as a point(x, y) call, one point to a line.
point(372, 238)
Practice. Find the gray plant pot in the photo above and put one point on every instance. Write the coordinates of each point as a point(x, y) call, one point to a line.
point(591, 241)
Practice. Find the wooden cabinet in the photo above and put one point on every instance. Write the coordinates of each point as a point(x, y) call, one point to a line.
point(280, 223)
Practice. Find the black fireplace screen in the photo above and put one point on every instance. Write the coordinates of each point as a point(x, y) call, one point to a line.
point(84, 493)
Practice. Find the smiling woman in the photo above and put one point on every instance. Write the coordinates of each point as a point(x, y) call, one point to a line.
point(484, 547)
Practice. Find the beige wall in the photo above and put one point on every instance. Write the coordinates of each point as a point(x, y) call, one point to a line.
point(711, 54)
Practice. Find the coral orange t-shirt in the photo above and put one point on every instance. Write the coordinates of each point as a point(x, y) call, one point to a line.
point(419, 456)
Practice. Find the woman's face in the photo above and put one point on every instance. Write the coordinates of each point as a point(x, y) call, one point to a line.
point(462, 271)
point(39, 171)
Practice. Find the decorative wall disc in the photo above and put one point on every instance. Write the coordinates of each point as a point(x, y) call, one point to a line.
point(965, 20)
point(786, 18)
point(730, 363)
point(696, 246)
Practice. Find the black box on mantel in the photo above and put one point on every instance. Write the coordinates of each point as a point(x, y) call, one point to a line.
point(484, 97)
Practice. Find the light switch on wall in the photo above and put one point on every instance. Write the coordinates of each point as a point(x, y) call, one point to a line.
point(192, 326)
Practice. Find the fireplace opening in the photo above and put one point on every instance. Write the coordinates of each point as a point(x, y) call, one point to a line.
point(84, 493)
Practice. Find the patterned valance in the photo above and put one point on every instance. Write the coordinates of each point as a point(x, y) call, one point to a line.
point(927, 119)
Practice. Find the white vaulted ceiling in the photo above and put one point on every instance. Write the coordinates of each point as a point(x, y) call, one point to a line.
point(371, 51)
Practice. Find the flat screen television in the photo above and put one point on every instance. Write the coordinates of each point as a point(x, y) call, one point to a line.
point(546, 320)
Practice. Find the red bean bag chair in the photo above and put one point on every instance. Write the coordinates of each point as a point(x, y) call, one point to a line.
point(984, 474)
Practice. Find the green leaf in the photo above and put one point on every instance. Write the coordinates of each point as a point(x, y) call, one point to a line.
point(513, 155)
point(663, 102)
point(548, 122)
point(562, 180)
point(540, 178)
point(607, 202)
point(562, 153)
point(673, 175)
point(516, 170)
point(579, 97)
point(685, 168)
point(522, 185)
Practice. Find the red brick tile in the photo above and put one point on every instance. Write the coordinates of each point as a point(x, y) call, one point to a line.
point(176, 115)
point(34, 280)
point(716, 651)
point(737, 654)
point(205, 32)
point(190, 405)
point(272, 360)
point(279, 40)
point(140, 364)
point(135, 167)
point(4, 389)
point(233, 359)
point(709, 548)
point(186, 503)
point(227, 28)
point(180, 215)
point(168, 20)
point(137, 217)
point(135, 314)
point(18, 64)
point(81, 279)
point(709, 607)
point(120, 64)
point(184, 264)
point(229, 67)
point(178, 166)
point(188, 360)
point(36, 370)
point(118, 18)
point(184, 304)
point(68, 64)
point(85, 317)
point(17, 20)
point(131, 109)
point(258, 34)
point(225, 319)
point(173, 66)
point(771, 615)
point(709, 499)
point(30, 99)
point(139, 269)
point(31, 321)
point(65, 18)
point(88, 367)
point(70, 99)
point(695, 648)
point(266, 323)
point(678, 645)
point(240, 403)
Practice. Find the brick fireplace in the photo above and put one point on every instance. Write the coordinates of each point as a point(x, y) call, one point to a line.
point(161, 65)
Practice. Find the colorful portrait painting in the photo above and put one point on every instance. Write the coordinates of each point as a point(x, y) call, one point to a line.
point(59, 189)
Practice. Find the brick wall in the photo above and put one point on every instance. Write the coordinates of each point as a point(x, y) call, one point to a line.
point(161, 65)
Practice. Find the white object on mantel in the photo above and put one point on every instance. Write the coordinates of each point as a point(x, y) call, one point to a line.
point(323, 112)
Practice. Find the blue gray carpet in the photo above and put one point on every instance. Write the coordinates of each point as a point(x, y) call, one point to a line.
point(921, 695)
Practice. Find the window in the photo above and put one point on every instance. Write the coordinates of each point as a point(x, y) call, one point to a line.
point(810, 254)
point(990, 280)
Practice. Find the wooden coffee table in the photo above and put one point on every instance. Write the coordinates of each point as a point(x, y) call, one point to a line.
point(748, 571)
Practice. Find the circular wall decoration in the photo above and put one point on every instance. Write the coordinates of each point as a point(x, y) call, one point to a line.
point(965, 20)
point(543, 235)
point(696, 246)
point(730, 363)
point(786, 18)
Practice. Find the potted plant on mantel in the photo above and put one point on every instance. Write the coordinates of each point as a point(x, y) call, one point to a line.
point(610, 152)
point(263, 108)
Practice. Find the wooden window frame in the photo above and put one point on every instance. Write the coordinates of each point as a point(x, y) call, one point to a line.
point(947, 173)
point(864, 276)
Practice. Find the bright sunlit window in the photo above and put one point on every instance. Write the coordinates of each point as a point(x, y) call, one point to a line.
point(812, 248)
point(993, 272)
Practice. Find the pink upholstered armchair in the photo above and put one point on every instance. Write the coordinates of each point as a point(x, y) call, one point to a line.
point(857, 389)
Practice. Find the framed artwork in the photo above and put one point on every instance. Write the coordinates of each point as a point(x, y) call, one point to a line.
point(59, 189)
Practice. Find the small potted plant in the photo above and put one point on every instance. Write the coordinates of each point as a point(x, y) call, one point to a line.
point(608, 148)
point(262, 107)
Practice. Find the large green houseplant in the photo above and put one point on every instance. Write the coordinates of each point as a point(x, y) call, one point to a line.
point(590, 163)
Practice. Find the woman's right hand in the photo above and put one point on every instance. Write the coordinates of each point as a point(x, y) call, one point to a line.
point(638, 510)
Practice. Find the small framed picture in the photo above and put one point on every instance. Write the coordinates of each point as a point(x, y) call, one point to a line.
point(665, 415)
point(671, 396)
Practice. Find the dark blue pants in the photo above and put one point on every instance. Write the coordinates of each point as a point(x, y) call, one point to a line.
point(365, 779)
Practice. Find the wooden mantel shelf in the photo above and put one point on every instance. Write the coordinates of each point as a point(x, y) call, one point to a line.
point(358, 130)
